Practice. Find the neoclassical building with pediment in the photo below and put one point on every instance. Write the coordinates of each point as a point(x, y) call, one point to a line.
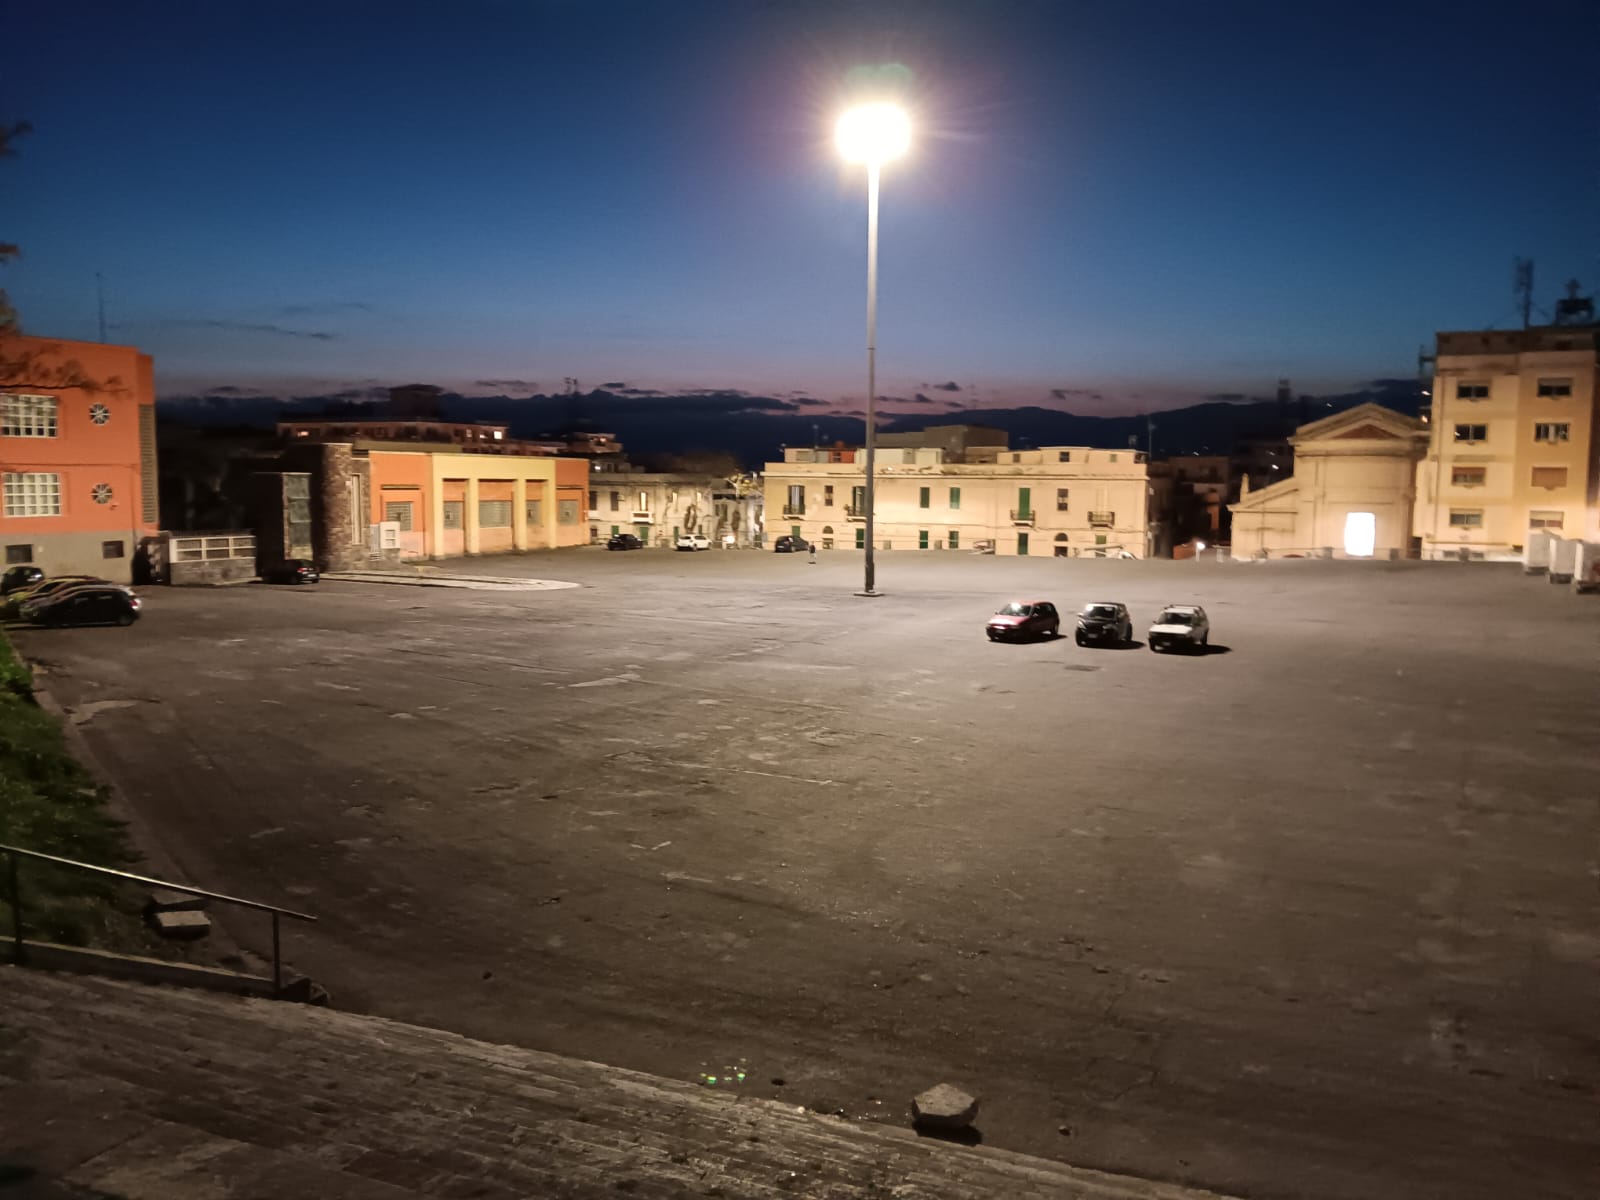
point(1351, 494)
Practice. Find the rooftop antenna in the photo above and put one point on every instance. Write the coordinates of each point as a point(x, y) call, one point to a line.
point(100, 295)
point(1522, 288)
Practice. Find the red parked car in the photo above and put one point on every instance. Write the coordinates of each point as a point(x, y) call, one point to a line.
point(1025, 618)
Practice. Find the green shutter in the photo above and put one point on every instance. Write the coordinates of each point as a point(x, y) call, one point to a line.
point(923, 496)
point(1024, 504)
point(955, 537)
point(955, 498)
point(861, 538)
point(922, 536)
point(1022, 539)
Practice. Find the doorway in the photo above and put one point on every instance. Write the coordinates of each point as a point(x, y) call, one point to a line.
point(1360, 534)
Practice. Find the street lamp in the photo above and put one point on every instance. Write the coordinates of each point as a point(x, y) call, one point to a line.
point(872, 134)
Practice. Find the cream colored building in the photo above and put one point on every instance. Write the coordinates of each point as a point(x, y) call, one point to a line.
point(1351, 494)
point(657, 507)
point(1513, 441)
point(1066, 501)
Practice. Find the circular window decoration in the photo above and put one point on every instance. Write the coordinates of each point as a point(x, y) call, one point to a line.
point(99, 414)
point(102, 493)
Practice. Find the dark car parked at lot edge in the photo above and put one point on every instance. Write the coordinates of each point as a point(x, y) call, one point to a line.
point(91, 604)
point(624, 541)
point(17, 578)
point(790, 545)
point(1104, 621)
point(292, 570)
point(1019, 619)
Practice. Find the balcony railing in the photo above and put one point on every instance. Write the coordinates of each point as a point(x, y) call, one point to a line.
point(1102, 520)
point(1022, 516)
point(794, 510)
point(640, 517)
point(855, 512)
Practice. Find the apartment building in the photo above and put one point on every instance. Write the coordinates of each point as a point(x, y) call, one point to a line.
point(77, 455)
point(658, 507)
point(1513, 440)
point(1066, 501)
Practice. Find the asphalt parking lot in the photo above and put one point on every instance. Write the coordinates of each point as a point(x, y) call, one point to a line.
point(1312, 915)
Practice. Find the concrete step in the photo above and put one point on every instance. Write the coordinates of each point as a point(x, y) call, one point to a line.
point(167, 1094)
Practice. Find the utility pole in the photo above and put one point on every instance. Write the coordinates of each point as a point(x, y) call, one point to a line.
point(1522, 286)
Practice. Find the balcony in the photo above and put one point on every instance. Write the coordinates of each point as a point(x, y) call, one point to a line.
point(794, 510)
point(640, 517)
point(855, 512)
point(1022, 516)
point(1102, 520)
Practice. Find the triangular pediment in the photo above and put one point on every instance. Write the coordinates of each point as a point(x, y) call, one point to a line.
point(1364, 422)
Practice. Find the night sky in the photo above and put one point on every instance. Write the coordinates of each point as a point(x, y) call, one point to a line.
point(1109, 207)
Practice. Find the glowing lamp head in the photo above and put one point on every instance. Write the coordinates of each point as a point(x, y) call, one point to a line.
point(873, 133)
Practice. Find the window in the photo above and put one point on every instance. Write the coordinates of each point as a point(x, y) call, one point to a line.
point(594, 500)
point(567, 512)
point(796, 504)
point(1099, 539)
point(1472, 433)
point(1022, 543)
point(112, 550)
point(1551, 431)
point(922, 536)
point(827, 495)
point(1024, 503)
point(1472, 391)
point(923, 497)
point(1061, 499)
point(616, 501)
point(453, 511)
point(1549, 477)
point(399, 511)
point(99, 414)
point(1552, 388)
point(1546, 518)
point(18, 553)
point(534, 512)
point(32, 494)
point(1113, 458)
point(861, 538)
point(27, 416)
point(644, 502)
point(494, 514)
point(858, 500)
point(955, 498)
point(1467, 476)
point(1466, 518)
point(1064, 456)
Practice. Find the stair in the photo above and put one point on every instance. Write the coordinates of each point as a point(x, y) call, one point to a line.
point(109, 1088)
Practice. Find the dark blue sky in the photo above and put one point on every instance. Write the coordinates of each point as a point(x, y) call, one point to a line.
point(1142, 204)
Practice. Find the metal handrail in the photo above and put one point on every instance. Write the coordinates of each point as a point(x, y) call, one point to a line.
point(19, 954)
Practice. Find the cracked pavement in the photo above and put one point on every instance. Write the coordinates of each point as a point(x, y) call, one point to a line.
point(1313, 915)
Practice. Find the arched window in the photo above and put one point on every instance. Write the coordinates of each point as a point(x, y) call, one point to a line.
point(827, 529)
point(1061, 537)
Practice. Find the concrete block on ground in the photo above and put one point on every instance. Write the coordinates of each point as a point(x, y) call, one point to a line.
point(166, 900)
point(181, 925)
point(945, 1108)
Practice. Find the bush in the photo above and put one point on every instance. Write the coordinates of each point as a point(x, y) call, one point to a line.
point(50, 803)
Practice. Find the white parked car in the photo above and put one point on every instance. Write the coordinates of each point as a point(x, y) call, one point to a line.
point(694, 541)
point(1181, 627)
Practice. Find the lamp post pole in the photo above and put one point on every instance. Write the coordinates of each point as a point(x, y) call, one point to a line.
point(872, 368)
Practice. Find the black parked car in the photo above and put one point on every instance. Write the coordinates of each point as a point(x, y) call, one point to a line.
point(624, 541)
point(91, 604)
point(291, 570)
point(18, 578)
point(1104, 621)
point(790, 545)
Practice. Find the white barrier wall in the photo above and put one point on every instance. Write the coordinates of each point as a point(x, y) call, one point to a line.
point(1586, 571)
point(1563, 559)
point(1536, 551)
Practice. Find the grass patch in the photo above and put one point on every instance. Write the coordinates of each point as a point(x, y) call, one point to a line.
point(50, 803)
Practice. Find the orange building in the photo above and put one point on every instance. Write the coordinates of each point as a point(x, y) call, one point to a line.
point(446, 504)
point(77, 455)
